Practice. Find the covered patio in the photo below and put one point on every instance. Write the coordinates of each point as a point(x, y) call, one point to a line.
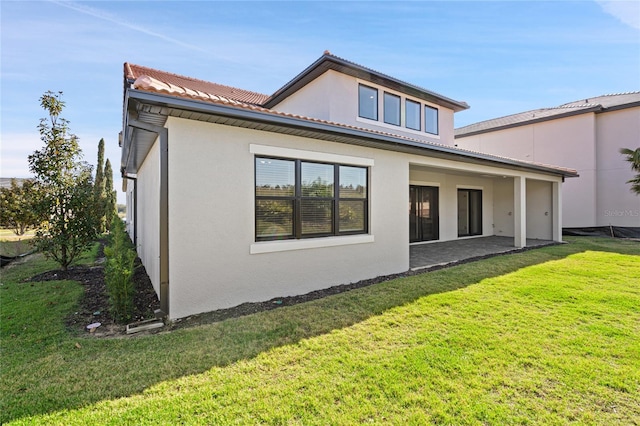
point(429, 255)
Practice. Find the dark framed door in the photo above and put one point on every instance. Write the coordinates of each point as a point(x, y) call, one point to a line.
point(469, 212)
point(423, 213)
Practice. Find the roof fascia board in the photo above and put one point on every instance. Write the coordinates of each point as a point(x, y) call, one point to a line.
point(596, 109)
point(619, 107)
point(327, 62)
point(326, 128)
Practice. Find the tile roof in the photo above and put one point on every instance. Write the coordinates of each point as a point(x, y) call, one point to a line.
point(597, 104)
point(154, 85)
point(133, 72)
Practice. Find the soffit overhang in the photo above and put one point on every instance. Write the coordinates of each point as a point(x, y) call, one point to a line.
point(154, 108)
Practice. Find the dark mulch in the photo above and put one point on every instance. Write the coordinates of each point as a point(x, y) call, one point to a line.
point(94, 305)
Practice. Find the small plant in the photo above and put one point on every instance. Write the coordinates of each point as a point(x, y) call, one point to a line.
point(119, 271)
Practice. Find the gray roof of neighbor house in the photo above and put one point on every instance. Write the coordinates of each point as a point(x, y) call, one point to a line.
point(156, 95)
point(598, 104)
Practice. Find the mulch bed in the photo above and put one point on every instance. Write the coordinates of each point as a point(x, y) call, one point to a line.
point(94, 306)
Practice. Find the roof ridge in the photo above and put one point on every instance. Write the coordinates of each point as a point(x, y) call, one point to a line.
point(327, 53)
point(606, 95)
point(532, 112)
point(127, 64)
point(571, 105)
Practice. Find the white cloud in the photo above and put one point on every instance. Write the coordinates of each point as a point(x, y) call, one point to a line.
point(628, 12)
point(100, 14)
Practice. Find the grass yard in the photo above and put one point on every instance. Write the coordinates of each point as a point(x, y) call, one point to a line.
point(547, 336)
point(14, 245)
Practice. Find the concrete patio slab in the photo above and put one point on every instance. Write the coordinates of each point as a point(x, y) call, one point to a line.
point(429, 255)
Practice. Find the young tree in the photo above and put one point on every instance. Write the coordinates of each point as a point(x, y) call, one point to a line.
point(633, 157)
point(110, 194)
point(99, 189)
point(65, 187)
point(17, 207)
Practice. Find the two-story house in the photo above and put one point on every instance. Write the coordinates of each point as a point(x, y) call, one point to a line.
point(234, 196)
point(586, 135)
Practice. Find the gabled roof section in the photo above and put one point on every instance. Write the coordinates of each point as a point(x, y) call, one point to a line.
point(153, 100)
point(597, 105)
point(330, 62)
point(133, 72)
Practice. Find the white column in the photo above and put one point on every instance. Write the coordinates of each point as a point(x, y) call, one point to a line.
point(557, 211)
point(520, 211)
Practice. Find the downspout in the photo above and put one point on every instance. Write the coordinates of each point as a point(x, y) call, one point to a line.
point(163, 134)
point(135, 209)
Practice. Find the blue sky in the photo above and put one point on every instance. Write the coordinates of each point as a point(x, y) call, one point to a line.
point(500, 57)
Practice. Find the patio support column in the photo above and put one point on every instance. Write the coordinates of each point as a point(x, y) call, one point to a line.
point(557, 211)
point(520, 211)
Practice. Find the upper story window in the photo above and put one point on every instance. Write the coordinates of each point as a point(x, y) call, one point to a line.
point(431, 120)
point(368, 102)
point(412, 116)
point(303, 199)
point(397, 110)
point(391, 109)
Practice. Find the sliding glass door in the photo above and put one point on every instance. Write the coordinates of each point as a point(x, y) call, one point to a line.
point(423, 213)
point(469, 212)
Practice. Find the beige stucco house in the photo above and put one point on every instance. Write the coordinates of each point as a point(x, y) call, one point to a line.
point(586, 135)
point(235, 196)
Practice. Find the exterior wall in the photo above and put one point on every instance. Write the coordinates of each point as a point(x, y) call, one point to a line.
point(617, 205)
point(567, 142)
point(149, 215)
point(334, 96)
point(214, 260)
point(503, 211)
point(448, 184)
point(211, 228)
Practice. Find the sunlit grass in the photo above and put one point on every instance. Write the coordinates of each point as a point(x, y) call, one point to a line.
point(549, 336)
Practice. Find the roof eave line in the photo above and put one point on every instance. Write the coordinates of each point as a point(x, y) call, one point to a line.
point(595, 109)
point(295, 122)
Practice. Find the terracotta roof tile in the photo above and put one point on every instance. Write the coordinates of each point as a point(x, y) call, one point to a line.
point(133, 72)
point(151, 84)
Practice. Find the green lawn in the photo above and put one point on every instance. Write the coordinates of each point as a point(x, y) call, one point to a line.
point(548, 336)
point(14, 245)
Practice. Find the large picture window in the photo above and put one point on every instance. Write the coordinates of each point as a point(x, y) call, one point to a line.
point(303, 199)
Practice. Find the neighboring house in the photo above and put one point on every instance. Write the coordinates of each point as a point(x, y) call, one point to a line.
point(235, 197)
point(586, 135)
point(6, 182)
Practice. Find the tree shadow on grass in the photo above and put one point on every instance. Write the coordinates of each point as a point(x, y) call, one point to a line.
point(111, 368)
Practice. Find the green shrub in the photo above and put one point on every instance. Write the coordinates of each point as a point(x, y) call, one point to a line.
point(118, 272)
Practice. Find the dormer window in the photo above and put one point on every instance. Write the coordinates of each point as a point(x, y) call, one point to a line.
point(398, 110)
point(368, 102)
point(391, 109)
point(412, 114)
point(431, 120)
